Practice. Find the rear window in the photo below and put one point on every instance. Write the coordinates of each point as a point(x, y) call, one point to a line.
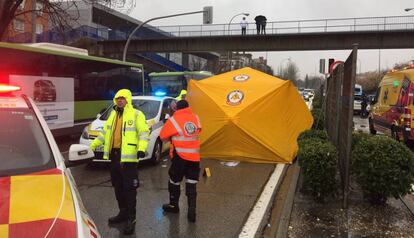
point(23, 145)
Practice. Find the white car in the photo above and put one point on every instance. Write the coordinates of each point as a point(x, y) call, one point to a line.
point(156, 111)
point(38, 195)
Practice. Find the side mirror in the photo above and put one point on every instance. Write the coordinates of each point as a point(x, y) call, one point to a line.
point(79, 154)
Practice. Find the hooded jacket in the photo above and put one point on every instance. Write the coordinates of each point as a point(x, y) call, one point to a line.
point(134, 131)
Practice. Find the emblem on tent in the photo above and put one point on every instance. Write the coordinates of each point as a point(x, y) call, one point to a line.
point(235, 97)
point(241, 78)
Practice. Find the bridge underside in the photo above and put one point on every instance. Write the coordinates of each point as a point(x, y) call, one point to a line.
point(279, 42)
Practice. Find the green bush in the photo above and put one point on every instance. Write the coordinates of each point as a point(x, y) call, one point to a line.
point(317, 101)
point(318, 161)
point(383, 168)
point(357, 137)
point(318, 119)
point(312, 134)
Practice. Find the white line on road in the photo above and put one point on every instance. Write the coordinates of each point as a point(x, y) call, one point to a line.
point(258, 212)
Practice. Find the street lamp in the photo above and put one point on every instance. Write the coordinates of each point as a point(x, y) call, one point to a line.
point(281, 66)
point(243, 13)
point(408, 9)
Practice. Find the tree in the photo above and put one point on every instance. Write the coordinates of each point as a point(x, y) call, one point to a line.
point(55, 10)
point(291, 72)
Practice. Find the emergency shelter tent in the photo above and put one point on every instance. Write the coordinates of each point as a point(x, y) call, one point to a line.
point(248, 115)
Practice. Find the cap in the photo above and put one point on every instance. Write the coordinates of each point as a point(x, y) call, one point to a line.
point(182, 104)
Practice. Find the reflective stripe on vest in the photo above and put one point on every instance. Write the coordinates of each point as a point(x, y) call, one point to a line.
point(177, 127)
point(185, 150)
point(183, 138)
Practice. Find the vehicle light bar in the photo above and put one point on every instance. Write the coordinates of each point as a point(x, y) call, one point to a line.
point(5, 88)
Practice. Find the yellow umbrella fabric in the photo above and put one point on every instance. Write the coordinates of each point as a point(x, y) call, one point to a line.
point(248, 115)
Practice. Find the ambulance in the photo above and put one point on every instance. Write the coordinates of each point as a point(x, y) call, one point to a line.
point(392, 107)
point(157, 109)
point(38, 195)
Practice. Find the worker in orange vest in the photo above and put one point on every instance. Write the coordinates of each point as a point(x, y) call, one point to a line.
point(183, 130)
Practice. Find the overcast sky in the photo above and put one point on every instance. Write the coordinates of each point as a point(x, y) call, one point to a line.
point(283, 10)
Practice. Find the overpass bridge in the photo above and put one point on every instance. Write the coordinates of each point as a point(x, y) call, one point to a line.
point(391, 32)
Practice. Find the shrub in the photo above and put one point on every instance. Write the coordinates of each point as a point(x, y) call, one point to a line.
point(318, 161)
point(318, 119)
point(383, 168)
point(357, 137)
point(312, 134)
point(317, 101)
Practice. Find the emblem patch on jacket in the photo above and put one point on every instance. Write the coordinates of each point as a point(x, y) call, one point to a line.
point(190, 128)
point(130, 122)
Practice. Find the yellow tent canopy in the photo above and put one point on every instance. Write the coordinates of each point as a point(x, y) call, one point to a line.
point(249, 116)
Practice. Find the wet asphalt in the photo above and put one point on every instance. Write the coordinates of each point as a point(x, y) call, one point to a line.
point(223, 204)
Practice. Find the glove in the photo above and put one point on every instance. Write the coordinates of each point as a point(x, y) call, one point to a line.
point(141, 154)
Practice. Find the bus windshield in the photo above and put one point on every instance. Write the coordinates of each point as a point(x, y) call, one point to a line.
point(171, 83)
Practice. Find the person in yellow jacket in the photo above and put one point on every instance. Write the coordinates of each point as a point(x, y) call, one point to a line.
point(182, 95)
point(125, 139)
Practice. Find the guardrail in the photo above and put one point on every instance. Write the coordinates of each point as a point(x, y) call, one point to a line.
point(389, 23)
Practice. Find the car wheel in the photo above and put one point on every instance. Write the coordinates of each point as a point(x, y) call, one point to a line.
point(157, 152)
point(371, 127)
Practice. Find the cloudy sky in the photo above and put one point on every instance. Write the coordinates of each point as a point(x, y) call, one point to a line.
point(288, 10)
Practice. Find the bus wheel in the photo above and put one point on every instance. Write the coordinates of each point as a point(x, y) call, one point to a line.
point(157, 152)
point(371, 127)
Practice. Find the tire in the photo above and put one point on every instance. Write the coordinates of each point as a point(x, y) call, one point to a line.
point(157, 153)
point(371, 127)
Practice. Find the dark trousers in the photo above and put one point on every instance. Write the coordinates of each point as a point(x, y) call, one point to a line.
point(125, 181)
point(263, 29)
point(258, 28)
point(243, 31)
point(179, 169)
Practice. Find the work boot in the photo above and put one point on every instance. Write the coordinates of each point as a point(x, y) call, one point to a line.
point(172, 207)
point(122, 216)
point(191, 192)
point(130, 226)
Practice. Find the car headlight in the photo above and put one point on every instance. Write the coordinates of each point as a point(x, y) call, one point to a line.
point(85, 134)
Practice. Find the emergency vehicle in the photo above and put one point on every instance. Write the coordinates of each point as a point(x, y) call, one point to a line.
point(156, 111)
point(38, 195)
point(392, 106)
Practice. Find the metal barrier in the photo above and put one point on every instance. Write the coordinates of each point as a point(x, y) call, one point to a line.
point(295, 27)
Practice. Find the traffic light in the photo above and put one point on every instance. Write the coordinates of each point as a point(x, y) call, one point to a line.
point(208, 15)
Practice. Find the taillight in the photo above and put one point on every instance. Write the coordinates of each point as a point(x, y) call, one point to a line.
point(407, 118)
point(5, 88)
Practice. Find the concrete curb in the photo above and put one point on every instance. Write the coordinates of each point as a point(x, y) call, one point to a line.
point(283, 226)
point(256, 219)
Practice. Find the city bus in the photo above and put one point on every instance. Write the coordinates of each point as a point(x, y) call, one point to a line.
point(69, 86)
point(171, 83)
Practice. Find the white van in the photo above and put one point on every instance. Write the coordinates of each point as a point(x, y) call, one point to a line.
point(358, 94)
point(156, 111)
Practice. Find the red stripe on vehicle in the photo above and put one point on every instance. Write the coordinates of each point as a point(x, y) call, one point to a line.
point(34, 229)
point(4, 200)
point(47, 172)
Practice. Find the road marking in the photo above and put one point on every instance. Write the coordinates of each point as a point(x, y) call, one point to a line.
point(259, 210)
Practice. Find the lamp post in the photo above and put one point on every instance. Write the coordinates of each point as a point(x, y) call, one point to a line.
point(360, 65)
point(408, 9)
point(281, 65)
point(152, 19)
point(243, 13)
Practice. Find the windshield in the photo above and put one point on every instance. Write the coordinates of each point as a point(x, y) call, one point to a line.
point(23, 145)
point(171, 85)
point(150, 108)
point(358, 91)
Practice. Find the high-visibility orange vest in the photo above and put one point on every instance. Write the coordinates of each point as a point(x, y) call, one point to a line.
point(183, 130)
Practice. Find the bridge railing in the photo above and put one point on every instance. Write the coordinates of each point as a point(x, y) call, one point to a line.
point(294, 27)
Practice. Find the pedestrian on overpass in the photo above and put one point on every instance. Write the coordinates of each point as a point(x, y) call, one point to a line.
point(183, 130)
point(243, 25)
point(125, 139)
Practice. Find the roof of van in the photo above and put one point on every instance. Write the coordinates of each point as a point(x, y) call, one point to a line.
point(391, 77)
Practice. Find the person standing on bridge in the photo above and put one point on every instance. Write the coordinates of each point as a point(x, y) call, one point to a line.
point(260, 24)
point(125, 139)
point(243, 25)
point(183, 130)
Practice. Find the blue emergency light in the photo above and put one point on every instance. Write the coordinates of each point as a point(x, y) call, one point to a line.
point(160, 93)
